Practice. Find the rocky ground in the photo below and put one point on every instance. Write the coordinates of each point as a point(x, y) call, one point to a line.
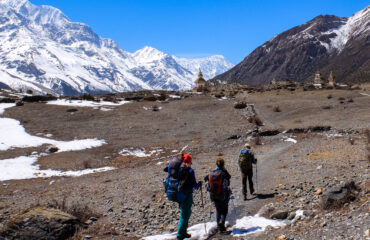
point(329, 126)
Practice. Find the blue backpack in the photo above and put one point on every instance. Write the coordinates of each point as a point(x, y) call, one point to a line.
point(172, 183)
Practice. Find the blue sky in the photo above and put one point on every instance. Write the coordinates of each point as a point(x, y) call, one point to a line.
point(197, 28)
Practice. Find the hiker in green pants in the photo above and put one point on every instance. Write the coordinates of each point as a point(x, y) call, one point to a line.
point(185, 212)
point(188, 183)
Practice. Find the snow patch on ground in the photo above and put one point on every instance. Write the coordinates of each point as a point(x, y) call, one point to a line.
point(139, 152)
point(174, 96)
point(252, 224)
point(24, 168)
point(244, 226)
point(197, 231)
point(13, 134)
point(334, 135)
point(365, 94)
point(84, 103)
point(4, 106)
point(288, 139)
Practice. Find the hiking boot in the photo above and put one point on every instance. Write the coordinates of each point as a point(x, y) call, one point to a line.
point(245, 197)
point(187, 235)
point(221, 228)
point(226, 232)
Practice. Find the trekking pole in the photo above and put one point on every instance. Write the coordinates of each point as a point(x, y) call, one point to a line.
point(257, 176)
point(201, 195)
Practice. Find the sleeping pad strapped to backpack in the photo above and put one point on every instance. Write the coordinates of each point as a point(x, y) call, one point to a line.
point(217, 185)
point(172, 183)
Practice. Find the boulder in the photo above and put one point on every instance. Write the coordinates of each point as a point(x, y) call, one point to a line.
point(42, 224)
point(337, 196)
point(279, 215)
point(52, 149)
point(19, 104)
point(240, 105)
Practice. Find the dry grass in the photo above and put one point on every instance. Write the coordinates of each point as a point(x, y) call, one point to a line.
point(77, 209)
point(99, 231)
point(282, 166)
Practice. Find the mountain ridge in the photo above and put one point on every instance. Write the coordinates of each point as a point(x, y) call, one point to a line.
point(325, 43)
point(42, 50)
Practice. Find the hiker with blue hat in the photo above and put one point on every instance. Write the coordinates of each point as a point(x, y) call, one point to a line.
point(246, 159)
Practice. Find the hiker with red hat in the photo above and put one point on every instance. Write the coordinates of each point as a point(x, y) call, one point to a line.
point(181, 169)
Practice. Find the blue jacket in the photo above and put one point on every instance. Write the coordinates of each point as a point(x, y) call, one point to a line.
point(188, 181)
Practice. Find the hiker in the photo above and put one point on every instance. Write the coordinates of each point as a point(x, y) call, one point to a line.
point(186, 182)
point(218, 185)
point(246, 159)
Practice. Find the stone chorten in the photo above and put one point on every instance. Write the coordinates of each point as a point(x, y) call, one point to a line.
point(331, 79)
point(274, 81)
point(318, 78)
point(200, 83)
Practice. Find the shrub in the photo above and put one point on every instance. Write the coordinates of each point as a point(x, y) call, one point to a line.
point(277, 109)
point(86, 164)
point(29, 91)
point(162, 97)
point(258, 121)
point(155, 108)
point(88, 97)
point(329, 96)
point(7, 100)
point(240, 105)
point(38, 98)
point(150, 98)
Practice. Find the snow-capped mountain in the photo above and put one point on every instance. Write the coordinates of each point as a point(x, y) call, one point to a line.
point(42, 50)
point(210, 66)
point(326, 43)
point(160, 71)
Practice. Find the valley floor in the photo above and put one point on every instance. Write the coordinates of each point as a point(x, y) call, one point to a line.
point(129, 202)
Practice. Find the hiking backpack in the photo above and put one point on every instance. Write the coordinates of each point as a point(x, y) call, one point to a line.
point(217, 185)
point(172, 183)
point(246, 159)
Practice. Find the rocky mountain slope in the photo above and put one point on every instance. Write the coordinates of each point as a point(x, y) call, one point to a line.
point(42, 50)
point(326, 43)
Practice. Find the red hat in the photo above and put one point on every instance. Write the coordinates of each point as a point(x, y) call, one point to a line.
point(187, 158)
